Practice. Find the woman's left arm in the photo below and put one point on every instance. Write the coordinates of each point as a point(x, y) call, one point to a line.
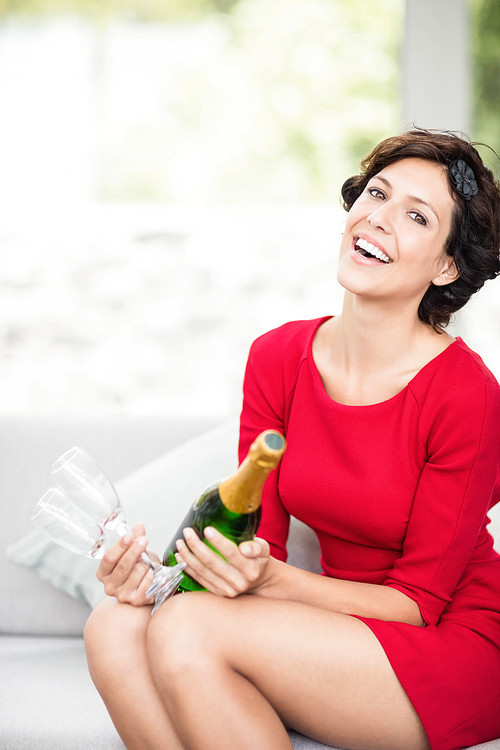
point(248, 568)
point(459, 483)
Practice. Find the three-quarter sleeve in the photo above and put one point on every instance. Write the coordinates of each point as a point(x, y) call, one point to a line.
point(460, 430)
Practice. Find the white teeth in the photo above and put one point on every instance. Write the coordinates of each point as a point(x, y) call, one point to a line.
point(372, 249)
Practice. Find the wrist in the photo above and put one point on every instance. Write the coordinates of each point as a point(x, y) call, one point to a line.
point(269, 585)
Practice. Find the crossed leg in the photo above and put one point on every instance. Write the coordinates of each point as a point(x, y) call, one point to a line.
point(115, 643)
point(208, 672)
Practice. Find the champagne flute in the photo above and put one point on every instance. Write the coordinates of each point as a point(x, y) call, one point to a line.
point(88, 487)
point(68, 525)
point(85, 482)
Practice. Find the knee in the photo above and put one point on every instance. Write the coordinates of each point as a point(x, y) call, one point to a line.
point(112, 634)
point(98, 631)
point(180, 639)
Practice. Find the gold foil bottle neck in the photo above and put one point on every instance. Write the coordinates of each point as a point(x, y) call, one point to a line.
point(242, 492)
point(267, 449)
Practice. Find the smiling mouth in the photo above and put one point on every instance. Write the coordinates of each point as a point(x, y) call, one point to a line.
point(368, 250)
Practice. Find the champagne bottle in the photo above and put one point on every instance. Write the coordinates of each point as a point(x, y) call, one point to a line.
point(233, 505)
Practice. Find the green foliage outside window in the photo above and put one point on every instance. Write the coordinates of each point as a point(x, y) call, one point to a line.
point(486, 67)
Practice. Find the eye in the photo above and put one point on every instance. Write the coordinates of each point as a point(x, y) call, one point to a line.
point(418, 218)
point(376, 193)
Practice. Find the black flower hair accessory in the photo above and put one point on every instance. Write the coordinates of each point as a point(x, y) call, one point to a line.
point(463, 179)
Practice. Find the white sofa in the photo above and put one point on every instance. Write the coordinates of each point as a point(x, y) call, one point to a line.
point(47, 700)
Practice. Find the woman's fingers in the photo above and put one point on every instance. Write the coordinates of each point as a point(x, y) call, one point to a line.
point(119, 559)
point(134, 590)
point(122, 572)
point(237, 555)
point(256, 548)
point(232, 572)
point(138, 530)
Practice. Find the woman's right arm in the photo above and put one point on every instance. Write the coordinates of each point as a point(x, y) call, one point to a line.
point(264, 397)
point(123, 573)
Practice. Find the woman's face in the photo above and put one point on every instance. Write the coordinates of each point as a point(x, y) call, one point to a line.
point(393, 243)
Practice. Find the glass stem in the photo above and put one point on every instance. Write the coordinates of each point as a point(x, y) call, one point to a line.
point(145, 558)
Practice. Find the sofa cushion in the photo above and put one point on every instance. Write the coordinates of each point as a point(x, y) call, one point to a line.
point(48, 699)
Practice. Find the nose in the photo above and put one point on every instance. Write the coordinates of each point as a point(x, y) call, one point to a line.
point(380, 218)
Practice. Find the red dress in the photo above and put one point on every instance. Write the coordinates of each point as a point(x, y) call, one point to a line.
point(397, 493)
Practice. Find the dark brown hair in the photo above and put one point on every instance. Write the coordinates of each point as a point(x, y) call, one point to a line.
point(474, 239)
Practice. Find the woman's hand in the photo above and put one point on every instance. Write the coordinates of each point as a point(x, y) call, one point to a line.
point(241, 569)
point(123, 573)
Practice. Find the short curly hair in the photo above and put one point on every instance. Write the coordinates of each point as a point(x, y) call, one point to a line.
point(474, 238)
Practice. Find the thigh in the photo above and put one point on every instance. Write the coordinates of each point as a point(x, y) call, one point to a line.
point(325, 673)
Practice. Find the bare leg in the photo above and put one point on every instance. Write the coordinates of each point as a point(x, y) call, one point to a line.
point(115, 642)
point(234, 672)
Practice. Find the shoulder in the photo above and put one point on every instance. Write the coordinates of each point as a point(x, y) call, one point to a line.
point(477, 387)
point(473, 366)
point(457, 386)
point(288, 342)
point(273, 365)
point(457, 372)
point(276, 357)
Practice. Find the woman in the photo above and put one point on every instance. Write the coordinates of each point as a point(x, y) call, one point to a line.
point(393, 431)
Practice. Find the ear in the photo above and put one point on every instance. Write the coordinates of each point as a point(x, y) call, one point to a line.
point(447, 274)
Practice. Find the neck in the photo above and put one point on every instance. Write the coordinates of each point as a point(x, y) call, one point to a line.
point(371, 338)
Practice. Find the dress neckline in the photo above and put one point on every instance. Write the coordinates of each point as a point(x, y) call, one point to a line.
point(431, 363)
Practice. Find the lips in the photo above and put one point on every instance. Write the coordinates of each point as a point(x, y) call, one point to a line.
point(369, 250)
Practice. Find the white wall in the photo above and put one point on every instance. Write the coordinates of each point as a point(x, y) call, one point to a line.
point(436, 81)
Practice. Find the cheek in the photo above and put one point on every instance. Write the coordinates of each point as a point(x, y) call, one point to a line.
point(356, 211)
point(352, 220)
point(435, 252)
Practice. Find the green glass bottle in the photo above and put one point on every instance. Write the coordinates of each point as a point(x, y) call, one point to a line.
point(233, 505)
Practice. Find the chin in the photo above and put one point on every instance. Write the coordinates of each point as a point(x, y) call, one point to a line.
point(355, 286)
point(350, 281)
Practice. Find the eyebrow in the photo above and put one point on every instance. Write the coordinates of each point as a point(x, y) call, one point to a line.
point(414, 198)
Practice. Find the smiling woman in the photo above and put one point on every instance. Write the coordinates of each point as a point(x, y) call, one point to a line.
point(393, 459)
point(472, 240)
point(387, 226)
